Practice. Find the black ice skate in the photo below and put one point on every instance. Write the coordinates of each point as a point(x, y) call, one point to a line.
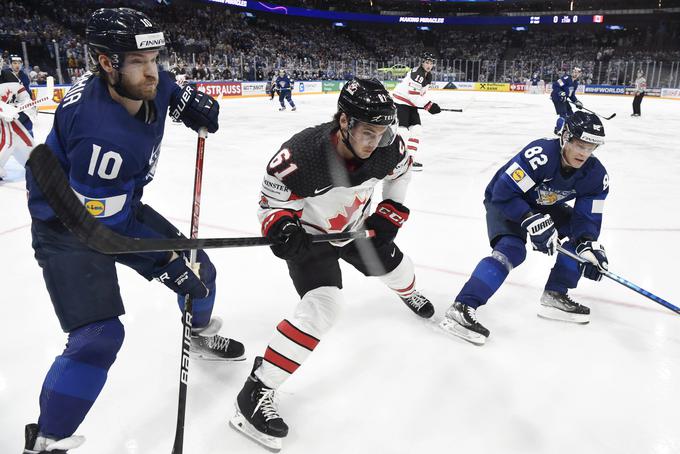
point(461, 320)
point(36, 444)
point(206, 344)
point(420, 305)
point(559, 306)
point(416, 166)
point(282, 108)
point(257, 414)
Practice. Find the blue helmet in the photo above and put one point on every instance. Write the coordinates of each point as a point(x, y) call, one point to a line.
point(114, 31)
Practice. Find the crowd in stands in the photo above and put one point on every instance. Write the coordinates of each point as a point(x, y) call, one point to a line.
point(210, 41)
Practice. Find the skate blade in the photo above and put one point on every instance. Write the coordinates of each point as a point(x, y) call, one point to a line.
point(208, 357)
point(452, 327)
point(552, 313)
point(240, 424)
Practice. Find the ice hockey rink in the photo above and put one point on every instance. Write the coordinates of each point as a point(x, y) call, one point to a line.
point(384, 381)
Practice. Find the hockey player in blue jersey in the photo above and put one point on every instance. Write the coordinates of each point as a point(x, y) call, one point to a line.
point(107, 134)
point(285, 87)
point(526, 197)
point(563, 91)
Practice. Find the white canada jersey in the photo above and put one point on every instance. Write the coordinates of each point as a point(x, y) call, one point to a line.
point(412, 90)
point(13, 93)
point(308, 178)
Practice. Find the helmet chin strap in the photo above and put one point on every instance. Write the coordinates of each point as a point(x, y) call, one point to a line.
point(345, 140)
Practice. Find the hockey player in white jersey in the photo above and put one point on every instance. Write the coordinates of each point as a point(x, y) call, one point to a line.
point(322, 180)
point(16, 135)
point(409, 96)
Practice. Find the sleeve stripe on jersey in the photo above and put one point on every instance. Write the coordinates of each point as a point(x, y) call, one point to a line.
point(520, 177)
point(598, 207)
point(105, 207)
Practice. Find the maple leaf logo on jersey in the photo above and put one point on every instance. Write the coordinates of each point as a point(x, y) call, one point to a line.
point(6, 96)
point(340, 221)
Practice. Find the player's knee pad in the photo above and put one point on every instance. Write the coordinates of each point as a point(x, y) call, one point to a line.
point(510, 251)
point(96, 343)
point(318, 310)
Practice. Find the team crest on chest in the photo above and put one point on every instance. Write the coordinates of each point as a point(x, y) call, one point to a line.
point(340, 221)
point(549, 196)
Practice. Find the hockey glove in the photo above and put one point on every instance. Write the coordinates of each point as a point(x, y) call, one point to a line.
point(291, 242)
point(578, 104)
point(595, 254)
point(433, 108)
point(388, 218)
point(8, 112)
point(195, 109)
point(179, 277)
point(541, 230)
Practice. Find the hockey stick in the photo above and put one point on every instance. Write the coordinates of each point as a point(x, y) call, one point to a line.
point(595, 113)
point(622, 281)
point(178, 446)
point(444, 110)
point(35, 102)
point(55, 187)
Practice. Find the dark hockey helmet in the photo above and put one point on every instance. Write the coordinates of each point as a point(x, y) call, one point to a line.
point(584, 126)
point(114, 31)
point(368, 101)
point(427, 56)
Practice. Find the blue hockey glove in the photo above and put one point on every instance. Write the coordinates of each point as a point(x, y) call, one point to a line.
point(578, 104)
point(595, 254)
point(195, 109)
point(541, 230)
point(181, 279)
point(290, 241)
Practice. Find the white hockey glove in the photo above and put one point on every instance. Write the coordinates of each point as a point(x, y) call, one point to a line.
point(8, 112)
point(594, 252)
point(541, 230)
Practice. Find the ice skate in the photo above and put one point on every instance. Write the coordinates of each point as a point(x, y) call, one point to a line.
point(420, 305)
point(206, 344)
point(294, 109)
point(416, 167)
point(257, 413)
point(461, 320)
point(282, 108)
point(36, 444)
point(559, 306)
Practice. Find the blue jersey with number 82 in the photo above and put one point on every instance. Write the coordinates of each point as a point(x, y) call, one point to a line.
point(534, 178)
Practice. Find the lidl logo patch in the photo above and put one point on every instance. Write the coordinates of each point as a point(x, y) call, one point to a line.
point(518, 175)
point(95, 207)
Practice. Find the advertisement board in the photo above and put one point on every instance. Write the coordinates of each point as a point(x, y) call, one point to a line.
point(670, 92)
point(220, 89)
point(491, 86)
point(518, 87)
point(606, 89)
point(254, 88)
point(331, 85)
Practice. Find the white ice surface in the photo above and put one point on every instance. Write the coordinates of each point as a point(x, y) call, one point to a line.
point(383, 381)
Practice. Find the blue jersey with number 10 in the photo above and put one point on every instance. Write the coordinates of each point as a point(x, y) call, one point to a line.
point(107, 154)
point(534, 178)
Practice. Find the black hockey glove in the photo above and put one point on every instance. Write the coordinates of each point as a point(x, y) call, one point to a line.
point(595, 254)
point(290, 241)
point(433, 108)
point(541, 230)
point(388, 218)
point(181, 279)
point(195, 109)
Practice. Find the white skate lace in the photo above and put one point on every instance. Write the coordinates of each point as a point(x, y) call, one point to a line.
point(218, 343)
point(267, 404)
point(416, 300)
point(471, 313)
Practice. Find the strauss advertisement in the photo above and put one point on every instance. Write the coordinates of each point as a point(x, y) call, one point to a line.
point(220, 89)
